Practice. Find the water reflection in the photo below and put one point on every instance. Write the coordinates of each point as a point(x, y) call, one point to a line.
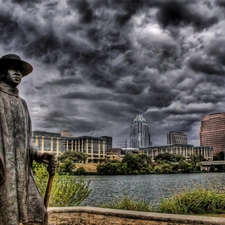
point(151, 188)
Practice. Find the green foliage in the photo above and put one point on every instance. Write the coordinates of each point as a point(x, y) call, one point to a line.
point(196, 162)
point(66, 166)
point(219, 156)
point(167, 157)
point(81, 171)
point(157, 169)
point(66, 190)
point(68, 159)
point(128, 203)
point(109, 168)
point(197, 201)
point(185, 166)
point(131, 164)
point(75, 157)
point(166, 168)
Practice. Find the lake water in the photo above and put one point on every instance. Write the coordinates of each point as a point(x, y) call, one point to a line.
point(150, 188)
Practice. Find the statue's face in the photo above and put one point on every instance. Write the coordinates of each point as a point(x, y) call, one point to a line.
point(13, 77)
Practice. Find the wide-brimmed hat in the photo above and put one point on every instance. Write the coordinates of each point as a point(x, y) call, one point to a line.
point(14, 60)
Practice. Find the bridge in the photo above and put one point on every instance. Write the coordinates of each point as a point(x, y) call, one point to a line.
point(206, 165)
point(212, 163)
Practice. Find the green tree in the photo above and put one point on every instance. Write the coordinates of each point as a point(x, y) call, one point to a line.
point(66, 166)
point(166, 168)
point(68, 159)
point(219, 156)
point(81, 171)
point(196, 161)
point(75, 157)
point(185, 166)
point(157, 169)
point(165, 157)
point(136, 164)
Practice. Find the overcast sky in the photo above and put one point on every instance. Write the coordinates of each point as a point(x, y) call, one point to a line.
point(98, 63)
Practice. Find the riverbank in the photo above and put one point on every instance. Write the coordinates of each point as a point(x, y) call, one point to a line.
point(91, 169)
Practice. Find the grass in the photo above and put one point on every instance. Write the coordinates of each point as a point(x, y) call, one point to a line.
point(128, 203)
point(197, 201)
point(89, 167)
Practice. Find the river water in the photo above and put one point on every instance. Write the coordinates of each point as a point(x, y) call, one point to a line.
point(150, 188)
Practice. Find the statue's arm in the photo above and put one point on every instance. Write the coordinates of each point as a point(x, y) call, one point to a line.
point(43, 157)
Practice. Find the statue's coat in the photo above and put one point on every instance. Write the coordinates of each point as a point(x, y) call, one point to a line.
point(20, 199)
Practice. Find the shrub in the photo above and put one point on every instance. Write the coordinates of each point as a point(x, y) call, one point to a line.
point(166, 168)
point(198, 201)
point(80, 171)
point(66, 190)
point(128, 203)
point(157, 169)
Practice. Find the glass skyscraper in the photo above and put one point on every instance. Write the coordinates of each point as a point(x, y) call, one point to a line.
point(139, 133)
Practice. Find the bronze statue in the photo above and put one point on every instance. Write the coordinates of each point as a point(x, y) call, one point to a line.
point(20, 199)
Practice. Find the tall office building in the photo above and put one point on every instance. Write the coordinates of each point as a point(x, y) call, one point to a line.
point(212, 131)
point(175, 137)
point(139, 133)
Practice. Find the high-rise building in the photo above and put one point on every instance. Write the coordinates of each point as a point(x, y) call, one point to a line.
point(212, 131)
point(139, 133)
point(175, 137)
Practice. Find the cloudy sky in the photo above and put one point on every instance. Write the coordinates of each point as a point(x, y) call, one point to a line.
point(98, 63)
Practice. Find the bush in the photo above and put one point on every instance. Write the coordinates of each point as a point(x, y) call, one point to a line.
point(81, 171)
point(166, 168)
point(66, 190)
point(128, 203)
point(198, 201)
point(157, 169)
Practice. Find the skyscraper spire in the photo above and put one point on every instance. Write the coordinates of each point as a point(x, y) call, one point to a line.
point(139, 133)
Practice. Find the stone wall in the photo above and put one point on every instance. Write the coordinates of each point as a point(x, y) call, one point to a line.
point(103, 216)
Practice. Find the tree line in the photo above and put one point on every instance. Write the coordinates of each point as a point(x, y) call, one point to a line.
point(142, 164)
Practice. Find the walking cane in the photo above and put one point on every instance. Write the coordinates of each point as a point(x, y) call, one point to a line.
point(51, 172)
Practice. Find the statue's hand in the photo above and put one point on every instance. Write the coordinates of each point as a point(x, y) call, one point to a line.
point(51, 160)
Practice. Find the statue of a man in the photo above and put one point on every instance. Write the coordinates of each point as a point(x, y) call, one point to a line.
point(20, 199)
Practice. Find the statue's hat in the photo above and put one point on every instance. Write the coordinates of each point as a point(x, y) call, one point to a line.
point(14, 60)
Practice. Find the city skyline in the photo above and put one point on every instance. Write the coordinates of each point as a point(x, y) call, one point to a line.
point(97, 64)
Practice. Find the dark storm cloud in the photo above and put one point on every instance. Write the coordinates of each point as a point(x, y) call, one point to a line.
point(220, 3)
point(180, 13)
point(9, 29)
point(217, 49)
point(127, 10)
point(130, 88)
point(83, 8)
point(98, 63)
point(206, 65)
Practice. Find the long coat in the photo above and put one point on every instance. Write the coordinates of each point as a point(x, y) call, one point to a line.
point(20, 199)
